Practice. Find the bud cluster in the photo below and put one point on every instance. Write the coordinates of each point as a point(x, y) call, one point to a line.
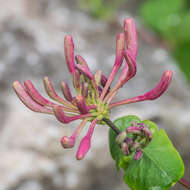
point(93, 99)
point(134, 139)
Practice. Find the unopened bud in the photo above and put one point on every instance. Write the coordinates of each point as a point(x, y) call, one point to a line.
point(81, 104)
point(133, 130)
point(138, 155)
point(131, 37)
point(66, 91)
point(67, 142)
point(80, 60)
point(76, 80)
point(69, 53)
point(85, 89)
point(125, 148)
point(121, 137)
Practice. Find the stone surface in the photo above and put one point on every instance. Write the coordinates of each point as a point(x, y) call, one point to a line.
point(31, 46)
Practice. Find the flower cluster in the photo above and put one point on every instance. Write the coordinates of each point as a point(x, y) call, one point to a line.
point(93, 99)
point(140, 136)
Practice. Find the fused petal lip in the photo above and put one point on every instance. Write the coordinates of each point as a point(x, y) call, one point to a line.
point(93, 101)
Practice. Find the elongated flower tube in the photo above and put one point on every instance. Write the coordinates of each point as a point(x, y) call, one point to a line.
point(81, 104)
point(131, 37)
point(86, 142)
point(94, 94)
point(156, 92)
point(66, 91)
point(69, 142)
point(120, 46)
point(69, 53)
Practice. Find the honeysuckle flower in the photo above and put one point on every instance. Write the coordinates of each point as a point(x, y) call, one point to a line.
point(94, 95)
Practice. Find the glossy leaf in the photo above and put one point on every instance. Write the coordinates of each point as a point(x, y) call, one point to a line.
point(160, 166)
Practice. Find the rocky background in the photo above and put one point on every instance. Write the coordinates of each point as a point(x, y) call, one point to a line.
point(31, 46)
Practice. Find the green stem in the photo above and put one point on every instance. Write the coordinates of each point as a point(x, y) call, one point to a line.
point(182, 181)
point(112, 125)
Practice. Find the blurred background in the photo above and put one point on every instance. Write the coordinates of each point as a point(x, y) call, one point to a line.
point(31, 47)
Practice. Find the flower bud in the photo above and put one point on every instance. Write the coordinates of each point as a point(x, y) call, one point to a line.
point(67, 142)
point(131, 37)
point(85, 71)
point(121, 137)
point(103, 80)
point(86, 142)
point(85, 89)
point(134, 130)
point(120, 46)
point(81, 104)
point(98, 76)
point(125, 148)
point(66, 91)
point(76, 80)
point(69, 53)
point(80, 60)
point(138, 155)
point(28, 101)
point(161, 87)
point(36, 95)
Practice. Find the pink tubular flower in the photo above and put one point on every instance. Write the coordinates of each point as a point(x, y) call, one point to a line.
point(93, 101)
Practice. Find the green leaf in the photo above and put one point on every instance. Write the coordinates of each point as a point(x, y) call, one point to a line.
point(160, 166)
